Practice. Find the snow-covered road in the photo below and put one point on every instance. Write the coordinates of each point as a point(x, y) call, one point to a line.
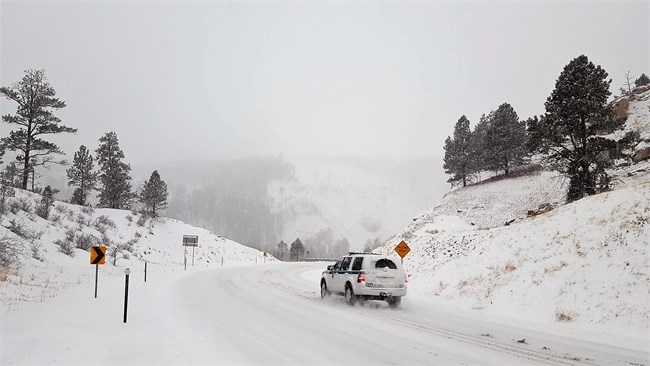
point(270, 314)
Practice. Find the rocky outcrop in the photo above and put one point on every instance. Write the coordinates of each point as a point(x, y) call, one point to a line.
point(641, 155)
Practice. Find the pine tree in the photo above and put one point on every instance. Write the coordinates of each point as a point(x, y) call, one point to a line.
point(576, 111)
point(478, 147)
point(457, 158)
point(81, 175)
point(642, 80)
point(297, 250)
point(533, 135)
point(47, 202)
point(34, 118)
point(113, 174)
point(7, 179)
point(282, 248)
point(506, 138)
point(154, 194)
point(11, 175)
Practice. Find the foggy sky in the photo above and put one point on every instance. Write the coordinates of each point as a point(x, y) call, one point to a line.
point(206, 80)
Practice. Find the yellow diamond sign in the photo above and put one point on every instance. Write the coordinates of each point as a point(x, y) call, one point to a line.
point(402, 249)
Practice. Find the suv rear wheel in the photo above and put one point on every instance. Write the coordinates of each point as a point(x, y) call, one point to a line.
point(350, 297)
point(394, 302)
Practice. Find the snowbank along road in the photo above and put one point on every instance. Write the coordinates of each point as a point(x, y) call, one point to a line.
point(270, 314)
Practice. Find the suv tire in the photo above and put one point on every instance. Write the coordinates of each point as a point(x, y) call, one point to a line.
point(324, 292)
point(394, 302)
point(350, 297)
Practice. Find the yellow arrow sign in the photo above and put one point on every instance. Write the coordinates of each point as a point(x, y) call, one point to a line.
point(98, 255)
point(402, 249)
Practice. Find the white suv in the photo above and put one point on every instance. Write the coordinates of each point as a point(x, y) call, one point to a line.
point(365, 276)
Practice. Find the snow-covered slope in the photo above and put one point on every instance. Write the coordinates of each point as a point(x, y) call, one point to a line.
point(583, 265)
point(130, 239)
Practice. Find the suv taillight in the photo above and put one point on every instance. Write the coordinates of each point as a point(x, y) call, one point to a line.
point(361, 278)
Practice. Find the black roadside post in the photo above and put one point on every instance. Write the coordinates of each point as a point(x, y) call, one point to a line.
point(126, 291)
point(145, 271)
point(96, 275)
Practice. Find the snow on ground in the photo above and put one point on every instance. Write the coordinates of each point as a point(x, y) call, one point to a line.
point(45, 270)
point(271, 314)
point(583, 265)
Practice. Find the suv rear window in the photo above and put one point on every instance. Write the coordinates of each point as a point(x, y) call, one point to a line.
point(382, 263)
point(356, 265)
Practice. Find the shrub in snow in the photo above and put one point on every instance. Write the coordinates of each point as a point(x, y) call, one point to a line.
point(87, 210)
point(86, 241)
point(563, 316)
point(36, 251)
point(83, 220)
point(46, 204)
point(103, 222)
point(115, 253)
point(10, 250)
point(129, 218)
point(21, 204)
point(55, 218)
point(65, 247)
point(18, 228)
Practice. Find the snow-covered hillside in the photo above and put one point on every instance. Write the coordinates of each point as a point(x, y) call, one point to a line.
point(130, 238)
point(583, 265)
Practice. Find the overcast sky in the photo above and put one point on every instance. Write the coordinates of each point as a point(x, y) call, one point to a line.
point(204, 80)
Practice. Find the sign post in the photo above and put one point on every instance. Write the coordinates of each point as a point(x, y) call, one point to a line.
point(402, 249)
point(97, 257)
point(190, 241)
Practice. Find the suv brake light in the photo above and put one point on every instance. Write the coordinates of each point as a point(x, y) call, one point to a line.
point(361, 278)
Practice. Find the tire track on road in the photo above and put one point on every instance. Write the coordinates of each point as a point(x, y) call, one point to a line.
point(531, 355)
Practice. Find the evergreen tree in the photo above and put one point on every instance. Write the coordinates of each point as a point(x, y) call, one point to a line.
point(34, 118)
point(7, 179)
point(297, 250)
point(282, 248)
point(11, 175)
point(154, 194)
point(81, 175)
point(575, 112)
point(506, 138)
point(478, 147)
point(113, 174)
point(533, 135)
point(47, 202)
point(457, 158)
point(642, 80)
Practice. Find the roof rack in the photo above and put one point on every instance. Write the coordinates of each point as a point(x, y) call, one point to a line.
point(353, 253)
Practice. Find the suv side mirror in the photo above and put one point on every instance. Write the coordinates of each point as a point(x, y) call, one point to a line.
point(329, 268)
